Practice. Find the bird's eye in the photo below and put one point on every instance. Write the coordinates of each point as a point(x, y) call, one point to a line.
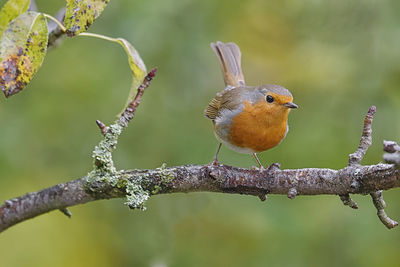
point(270, 99)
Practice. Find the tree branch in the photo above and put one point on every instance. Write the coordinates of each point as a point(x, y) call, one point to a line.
point(198, 178)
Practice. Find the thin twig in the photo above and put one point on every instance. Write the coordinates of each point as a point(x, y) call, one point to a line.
point(393, 158)
point(366, 139)
point(66, 212)
point(103, 128)
point(347, 201)
point(380, 206)
point(356, 157)
point(393, 152)
point(55, 32)
point(390, 146)
point(129, 112)
point(102, 153)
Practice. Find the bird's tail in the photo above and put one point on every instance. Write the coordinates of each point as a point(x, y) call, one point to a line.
point(229, 57)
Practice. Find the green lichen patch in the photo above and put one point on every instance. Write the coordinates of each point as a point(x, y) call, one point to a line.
point(80, 14)
point(136, 196)
point(101, 176)
point(105, 172)
point(102, 152)
point(166, 177)
point(10, 10)
point(22, 50)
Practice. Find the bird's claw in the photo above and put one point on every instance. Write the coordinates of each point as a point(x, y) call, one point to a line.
point(255, 168)
point(215, 162)
point(274, 167)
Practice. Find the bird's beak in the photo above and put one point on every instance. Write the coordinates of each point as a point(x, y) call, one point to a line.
point(290, 105)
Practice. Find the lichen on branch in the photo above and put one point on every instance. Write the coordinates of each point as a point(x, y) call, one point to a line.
point(104, 169)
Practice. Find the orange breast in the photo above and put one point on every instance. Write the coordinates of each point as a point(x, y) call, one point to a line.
point(258, 127)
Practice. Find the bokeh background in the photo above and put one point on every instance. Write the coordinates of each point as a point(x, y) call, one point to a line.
point(337, 57)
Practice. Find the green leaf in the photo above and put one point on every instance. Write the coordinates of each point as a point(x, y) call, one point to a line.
point(80, 14)
point(136, 64)
point(11, 10)
point(22, 50)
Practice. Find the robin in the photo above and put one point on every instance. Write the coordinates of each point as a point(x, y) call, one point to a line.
point(247, 119)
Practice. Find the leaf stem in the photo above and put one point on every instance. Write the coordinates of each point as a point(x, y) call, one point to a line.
point(56, 21)
point(95, 35)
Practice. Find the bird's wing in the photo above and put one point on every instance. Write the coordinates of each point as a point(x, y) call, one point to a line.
point(226, 99)
point(213, 107)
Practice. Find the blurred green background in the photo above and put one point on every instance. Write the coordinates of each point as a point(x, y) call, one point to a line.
point(337, 58)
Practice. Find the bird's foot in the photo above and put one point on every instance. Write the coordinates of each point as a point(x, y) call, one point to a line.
point(274, 167)
point(210, 165)
point(215, 162)
point(255, 168)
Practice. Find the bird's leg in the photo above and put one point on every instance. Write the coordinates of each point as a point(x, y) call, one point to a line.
point(272, 167)
point(215, 161)
point(258, 161)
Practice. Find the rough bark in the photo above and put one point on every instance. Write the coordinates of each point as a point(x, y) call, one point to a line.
point(198, 178)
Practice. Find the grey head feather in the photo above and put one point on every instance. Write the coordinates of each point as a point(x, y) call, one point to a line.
point(232, 98)
point(273, 88)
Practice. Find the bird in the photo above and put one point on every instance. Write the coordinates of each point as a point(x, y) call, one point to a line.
point(247, 119)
